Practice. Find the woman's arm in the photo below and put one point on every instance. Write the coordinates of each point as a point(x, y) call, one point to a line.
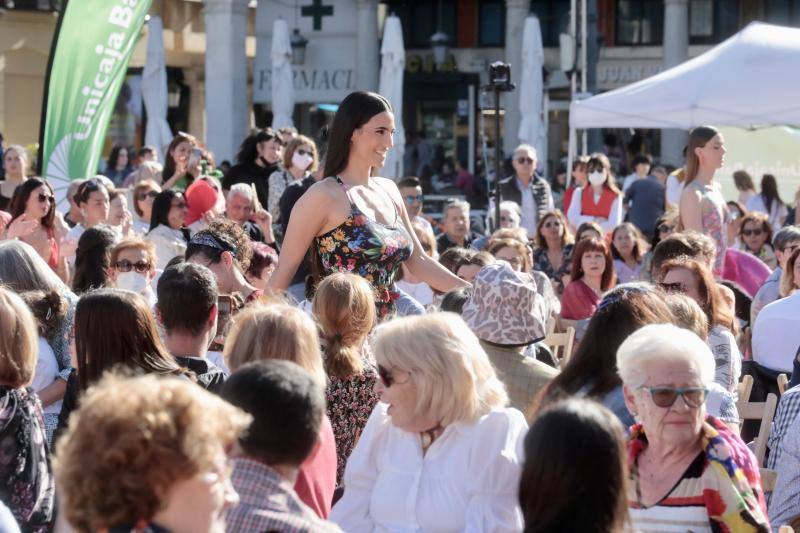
point(53, 392)
point(690, 211)
point(420, 264)
point(307, 219)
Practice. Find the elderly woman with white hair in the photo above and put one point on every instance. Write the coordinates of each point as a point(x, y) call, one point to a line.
point(688, 471)
point(441, 452)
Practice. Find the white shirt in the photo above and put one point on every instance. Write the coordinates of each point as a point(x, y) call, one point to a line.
point(776, 334)
point(46, 373)
point(422, 221)
point(169, 243)
point(727, 358)
point(140, 227)
point(467, 481)
point(421, 291)
point(576, 218)
point(674, 190)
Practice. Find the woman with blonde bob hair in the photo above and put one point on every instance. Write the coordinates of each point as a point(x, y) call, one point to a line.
point(687, 469)
point(280, 331)
point(441, 439)
point(148, 454)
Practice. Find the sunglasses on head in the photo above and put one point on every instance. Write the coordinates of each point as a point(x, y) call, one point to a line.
point(46, 198)
point(411, 198)
point(755, 232)
point(524, 160)
point(146, 195)
point(694, 397)
point(139, 266)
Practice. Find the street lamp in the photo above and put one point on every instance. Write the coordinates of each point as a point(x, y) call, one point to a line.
point(298, 43)
point(439, 41)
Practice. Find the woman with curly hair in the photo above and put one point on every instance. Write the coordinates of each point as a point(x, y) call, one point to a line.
point(344, 308)
point(148, 454)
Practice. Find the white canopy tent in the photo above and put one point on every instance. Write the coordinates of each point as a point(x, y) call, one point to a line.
point(393, 61)
point(749, 80)
point(532, 129)
point(282, 81)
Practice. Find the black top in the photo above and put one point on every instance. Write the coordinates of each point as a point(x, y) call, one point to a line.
point(251, 173)
point(209, 375)
point(289, 197)
point(4, 202)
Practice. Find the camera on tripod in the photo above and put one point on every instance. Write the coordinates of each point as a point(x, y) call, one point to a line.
point(500, 77)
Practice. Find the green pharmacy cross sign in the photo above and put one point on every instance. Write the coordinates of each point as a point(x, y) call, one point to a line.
point(317, 10)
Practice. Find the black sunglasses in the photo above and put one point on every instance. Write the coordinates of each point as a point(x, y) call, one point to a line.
point(386, 377)
point(139, 266)
point(755, 232)
point(665, 396)
point(524, 160)
point(146, 195)
point(673, 287)
point(46, 198)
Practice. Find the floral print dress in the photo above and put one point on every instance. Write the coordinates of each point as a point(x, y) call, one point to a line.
point(26, 483)
point(368, 248)
point(350, 402)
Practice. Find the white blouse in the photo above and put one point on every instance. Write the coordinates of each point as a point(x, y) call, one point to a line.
point(467, 481)
point(168, 242)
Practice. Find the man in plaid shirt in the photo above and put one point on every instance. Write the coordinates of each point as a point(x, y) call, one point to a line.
point(287, 406)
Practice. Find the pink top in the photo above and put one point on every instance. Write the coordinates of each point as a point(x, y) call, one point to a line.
point(316, 479)
point(745, 269)
point(579, 301)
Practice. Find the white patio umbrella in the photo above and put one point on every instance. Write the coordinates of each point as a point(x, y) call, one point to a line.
point(393, 61)
point(154, 89)
point(282, 84)
point(531, 127)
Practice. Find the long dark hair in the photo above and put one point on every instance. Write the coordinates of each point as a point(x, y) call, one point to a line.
point(769, 191)
point(698, 138)
point(575, 474)
point(115, 328)
point(161, 206)
point(169, 162)
point(248, 151)
point(354, 111)
point(19, 200)
point(93, 258)
point(622, 311)
point(113, 157)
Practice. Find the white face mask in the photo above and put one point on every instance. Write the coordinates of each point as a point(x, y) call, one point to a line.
point(597, 178)
point(301, 161)
point(132, 281)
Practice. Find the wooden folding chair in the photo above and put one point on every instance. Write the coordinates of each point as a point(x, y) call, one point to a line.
point(768, 479)
point(783, 383)
point(745, 388)
point(561, 345)
point(764, 411)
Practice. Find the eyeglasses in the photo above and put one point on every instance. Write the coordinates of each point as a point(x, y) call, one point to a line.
point(673, 287)
point(411, 198)
point(139, 266)
point(524, 160)
point(552, 224)
point(146, 195)
point(694, 397)
point(46, 198)
point(387, 378)
point(304, 152)
point(754, 232)
point(665, 228)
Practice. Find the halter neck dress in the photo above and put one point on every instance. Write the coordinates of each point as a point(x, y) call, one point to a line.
point(368, 248)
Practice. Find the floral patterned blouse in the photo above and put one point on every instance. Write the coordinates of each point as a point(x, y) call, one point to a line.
point(350, 402)
point(542, 263)
point(26, 483)
point(368, 248)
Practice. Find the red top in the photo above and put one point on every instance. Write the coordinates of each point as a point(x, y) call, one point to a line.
point(568, 197)
point(316, 479)
point(579, 301)
point(600, 209)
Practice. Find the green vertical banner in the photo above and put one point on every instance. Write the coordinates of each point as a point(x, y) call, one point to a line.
point(89, 58)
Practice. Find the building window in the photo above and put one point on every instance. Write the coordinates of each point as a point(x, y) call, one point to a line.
point(639, 22)
point(785, 12)
point(492, 23)
point(553, 19)
point(712, 21)
point(419, 19)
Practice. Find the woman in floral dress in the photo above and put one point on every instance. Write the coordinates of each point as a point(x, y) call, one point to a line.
point(354, 222)
point(344, 307)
